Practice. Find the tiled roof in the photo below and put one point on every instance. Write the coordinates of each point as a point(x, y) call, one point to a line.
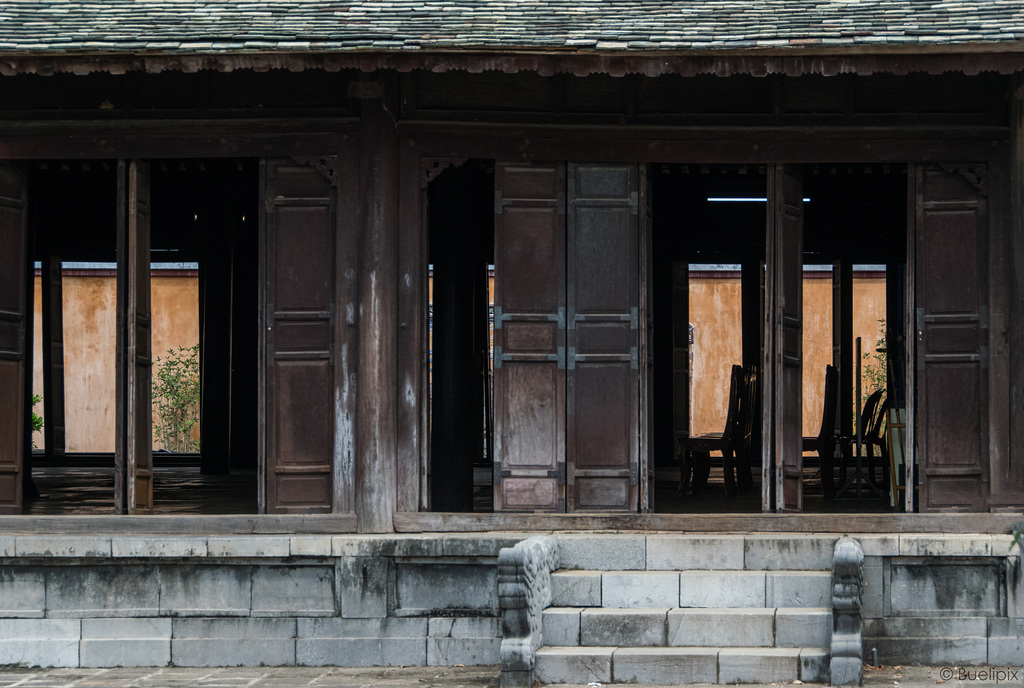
point(603, 26)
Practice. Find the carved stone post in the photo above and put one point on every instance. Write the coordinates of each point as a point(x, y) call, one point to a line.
point(524, 590)
point(847, 665)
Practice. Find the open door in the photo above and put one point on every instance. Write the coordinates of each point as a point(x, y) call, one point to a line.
point(784, 384)
point(603, 322)
point(13, 300)
point(529, 337)
point(133, 456)
point(299, 228)
point(952, 330)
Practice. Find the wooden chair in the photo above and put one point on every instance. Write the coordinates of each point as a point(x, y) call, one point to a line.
point(827, 438)
point(749, 423)
point(874, 436)
point(695, 452)
point(868, 416)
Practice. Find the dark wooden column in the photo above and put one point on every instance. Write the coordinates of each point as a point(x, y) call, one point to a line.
point(1015, 286)
point(842, 342)
point(53, 356)
point(215, 306)
point(375, 468)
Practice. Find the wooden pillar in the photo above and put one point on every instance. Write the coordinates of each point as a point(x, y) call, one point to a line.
point(53, 356)
point(375, 468)
point(752, 301)
point(215, 348)
point(842, 342)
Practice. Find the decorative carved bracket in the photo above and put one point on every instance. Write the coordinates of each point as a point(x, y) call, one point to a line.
point(847, 662)
point(431, 167)
point(325, 165)
point(975, 175)
point(524, 590)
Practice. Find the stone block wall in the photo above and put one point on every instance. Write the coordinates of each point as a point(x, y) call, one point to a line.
point(249, 600)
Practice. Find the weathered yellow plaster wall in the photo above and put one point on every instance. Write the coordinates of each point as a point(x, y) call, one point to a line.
point(89, 349)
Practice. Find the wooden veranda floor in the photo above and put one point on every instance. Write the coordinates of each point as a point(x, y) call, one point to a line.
point(184, 490)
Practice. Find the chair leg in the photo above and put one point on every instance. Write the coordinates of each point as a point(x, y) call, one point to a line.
point(825, 458)
point(701, 468)
point(685, 470)
point(729, 471)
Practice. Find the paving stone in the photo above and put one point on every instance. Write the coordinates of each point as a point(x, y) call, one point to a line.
point(622, 627)
point(467, 651)
point(158, 546)
point(803, 627)
point(575, 665)
point(722, 589)
point(39, 642)
point(479, 545)
point(879, 545)
point(98, 591)
point(665, 665)
point(943, 545)
point(815, 665)
point(361, 652)
point(721, 627)
point(691, 552)
point(361, 587)
point(125, 642)
point(576, 589)
point(22, 592)
point(951, 651)
point(798, 589)
point(386, 546)
point(561, 626)
point(61, 546)
point(390, 627)
point(433, 588)
point(293, 591)
point(601, 552)
point(789, 551)
point(758, 665)
point(249, 546)
point(945, 587)
point(310, 545)
point(205, 590)
point(233, 642)
point(638, 589)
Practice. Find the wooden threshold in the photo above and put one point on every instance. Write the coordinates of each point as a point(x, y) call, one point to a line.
point(709, 523)
point(186, 524)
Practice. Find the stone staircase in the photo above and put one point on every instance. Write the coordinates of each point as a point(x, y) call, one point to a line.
point(687, 626)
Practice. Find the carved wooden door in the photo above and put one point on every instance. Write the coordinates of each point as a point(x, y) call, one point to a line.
point(952, 328)
point(133, 455)
point(785, 265)
point(566, 358)
point(529, 337)
point(603, 321)
point(297, 406)
point(13, 305)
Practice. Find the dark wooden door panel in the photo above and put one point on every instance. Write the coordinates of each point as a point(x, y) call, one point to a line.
point(299, 311)
point(785, 237)
point(13, 305)
point(133, 454)
point(602, 448)
point(952, 330)
point(529, 337)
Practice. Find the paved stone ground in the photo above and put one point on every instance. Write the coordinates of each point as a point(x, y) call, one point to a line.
point(420, 677)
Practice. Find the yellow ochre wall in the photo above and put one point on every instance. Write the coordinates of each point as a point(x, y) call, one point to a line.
point(89, 348)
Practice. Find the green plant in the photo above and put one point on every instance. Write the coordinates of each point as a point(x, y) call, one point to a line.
point(176, 395)
point(874, 369)
point(37, 420)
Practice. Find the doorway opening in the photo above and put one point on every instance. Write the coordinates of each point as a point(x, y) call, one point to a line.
point(709, 274)
point(201, 283)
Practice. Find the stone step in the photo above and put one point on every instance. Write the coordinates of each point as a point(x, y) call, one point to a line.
point(778, 627)
point(638, 589)
point(681, 665)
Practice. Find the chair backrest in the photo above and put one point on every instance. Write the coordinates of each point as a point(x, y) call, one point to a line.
point(732, 415)
point(873, 432)
point(750, 414)
point(867, 415)
point(830, 398)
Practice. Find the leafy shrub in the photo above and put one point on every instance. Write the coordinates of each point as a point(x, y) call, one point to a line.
point(176, 395)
